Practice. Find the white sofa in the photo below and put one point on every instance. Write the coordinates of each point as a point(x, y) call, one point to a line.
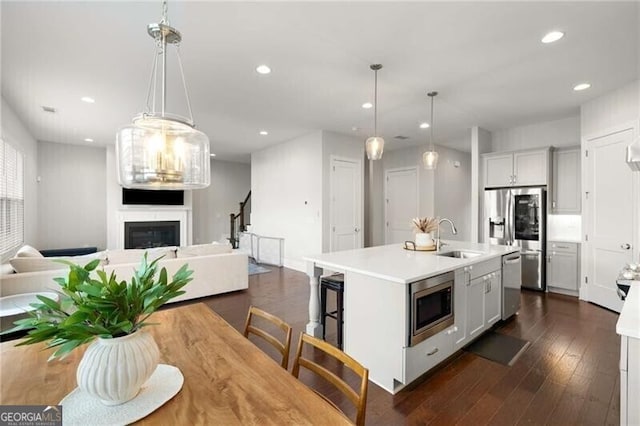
point(216, 269)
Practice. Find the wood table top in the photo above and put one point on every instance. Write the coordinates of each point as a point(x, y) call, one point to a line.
point(227, 379)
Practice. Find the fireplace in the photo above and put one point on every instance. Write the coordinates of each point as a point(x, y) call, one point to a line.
point(151, 234)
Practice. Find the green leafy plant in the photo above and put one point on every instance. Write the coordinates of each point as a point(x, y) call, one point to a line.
point(100, 306)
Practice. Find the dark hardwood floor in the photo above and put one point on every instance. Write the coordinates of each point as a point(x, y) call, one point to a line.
point(569, 374)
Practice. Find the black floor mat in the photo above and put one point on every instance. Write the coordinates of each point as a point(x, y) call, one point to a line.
point(499, 347)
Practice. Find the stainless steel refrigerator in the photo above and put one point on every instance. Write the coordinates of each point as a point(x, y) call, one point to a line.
point(517, 217)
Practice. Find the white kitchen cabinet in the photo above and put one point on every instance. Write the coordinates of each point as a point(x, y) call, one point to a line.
point(520, 168)
point(562, 267)
point(498, 169)
point(492, 298)
point(425, 355)
point(475, 307)
point(460, 336)
point(565, 191)
point(629, 380)
point(484, 297)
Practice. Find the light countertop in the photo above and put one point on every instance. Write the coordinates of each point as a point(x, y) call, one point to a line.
point(394, 263)
point(629, 320)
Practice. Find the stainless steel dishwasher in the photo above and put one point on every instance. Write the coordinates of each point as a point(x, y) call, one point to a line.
point(511, 283)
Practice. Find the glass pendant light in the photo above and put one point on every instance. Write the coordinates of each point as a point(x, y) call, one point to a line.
point(160, 150)
point(430, 158)
point(375, 144)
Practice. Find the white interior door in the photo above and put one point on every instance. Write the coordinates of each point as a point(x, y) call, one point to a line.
point(401, 204)
point(611, 231)
point(346, 211)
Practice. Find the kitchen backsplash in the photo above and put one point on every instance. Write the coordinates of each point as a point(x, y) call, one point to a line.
point(564, 227)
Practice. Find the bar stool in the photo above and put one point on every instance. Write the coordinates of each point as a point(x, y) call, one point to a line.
point(334, 283)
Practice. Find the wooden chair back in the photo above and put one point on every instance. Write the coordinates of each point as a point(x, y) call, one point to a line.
point(281, 346)
point(359, 399)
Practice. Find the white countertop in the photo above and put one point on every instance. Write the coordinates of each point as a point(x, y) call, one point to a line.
point(394, 263)
point(629, 320)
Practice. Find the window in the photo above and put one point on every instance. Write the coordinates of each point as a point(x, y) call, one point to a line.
point(11, 198)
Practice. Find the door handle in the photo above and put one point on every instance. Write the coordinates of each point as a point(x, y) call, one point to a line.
point(625, 246)
point(356, 229)
point(433, 352)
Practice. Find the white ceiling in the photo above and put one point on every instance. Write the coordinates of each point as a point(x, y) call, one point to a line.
point(485, 59)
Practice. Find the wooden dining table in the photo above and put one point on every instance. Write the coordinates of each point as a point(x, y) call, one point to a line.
point(227, 379)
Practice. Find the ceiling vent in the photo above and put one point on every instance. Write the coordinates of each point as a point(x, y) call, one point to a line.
point(48, 109)
point(401, 137)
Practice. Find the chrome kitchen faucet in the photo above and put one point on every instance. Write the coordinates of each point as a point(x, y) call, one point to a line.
point(453, 229)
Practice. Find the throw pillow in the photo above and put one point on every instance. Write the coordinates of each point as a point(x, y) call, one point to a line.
point(36, 264)
point(203, 250)
point(28, 251)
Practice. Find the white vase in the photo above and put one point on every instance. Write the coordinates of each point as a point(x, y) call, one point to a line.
point(113, 370)
point(423, 239)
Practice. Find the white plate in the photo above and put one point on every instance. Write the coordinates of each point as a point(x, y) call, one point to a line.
point(79, 408)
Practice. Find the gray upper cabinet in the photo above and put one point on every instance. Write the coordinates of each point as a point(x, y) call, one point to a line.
point(565, 196)
point(520, 168)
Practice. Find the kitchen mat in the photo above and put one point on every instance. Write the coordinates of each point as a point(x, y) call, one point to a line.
point(499, 347)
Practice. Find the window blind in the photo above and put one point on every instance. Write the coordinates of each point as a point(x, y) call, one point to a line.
point(11, 198)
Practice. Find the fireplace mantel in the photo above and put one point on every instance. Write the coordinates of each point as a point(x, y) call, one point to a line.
point(154, 214)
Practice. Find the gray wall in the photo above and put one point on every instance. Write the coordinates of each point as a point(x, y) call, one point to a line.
point(557, 133)
point(286, 192)
point(452, 198)
point(15, 133)
point(71, 196)
point(230, 183)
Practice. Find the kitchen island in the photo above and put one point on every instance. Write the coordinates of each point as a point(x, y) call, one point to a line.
point(628, 327)
point(377, 304)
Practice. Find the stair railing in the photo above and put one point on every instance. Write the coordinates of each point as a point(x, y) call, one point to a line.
point(237, 221)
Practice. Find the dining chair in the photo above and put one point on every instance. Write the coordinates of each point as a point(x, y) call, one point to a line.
point(358, 399)
point(281, 346)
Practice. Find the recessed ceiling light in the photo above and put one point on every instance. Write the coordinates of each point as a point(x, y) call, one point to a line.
point(88, 100)
point(264, 132)
point(552, 36)
point(367, 105)
point(581, 86)
point(88, 140)
point(263, 69)
point(424, 125)
point(212, 155)
point(355, 128)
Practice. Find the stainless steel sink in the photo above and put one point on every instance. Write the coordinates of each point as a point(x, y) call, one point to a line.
point(460, 254)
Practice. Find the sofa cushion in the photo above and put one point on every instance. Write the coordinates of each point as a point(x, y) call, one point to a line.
point(6, 269)
point(36, 264)
point(118, 256)
point(28, 251)
point(203, 250)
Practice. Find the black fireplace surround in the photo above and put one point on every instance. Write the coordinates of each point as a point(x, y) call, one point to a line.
point(141, 235)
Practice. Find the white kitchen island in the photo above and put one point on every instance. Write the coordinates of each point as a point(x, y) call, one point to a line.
point(377, 304)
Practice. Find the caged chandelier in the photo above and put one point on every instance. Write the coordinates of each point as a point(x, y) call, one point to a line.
point(160, 150)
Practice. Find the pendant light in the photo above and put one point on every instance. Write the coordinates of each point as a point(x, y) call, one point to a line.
point(375, 144)
point(430, 158)
point(160, 150)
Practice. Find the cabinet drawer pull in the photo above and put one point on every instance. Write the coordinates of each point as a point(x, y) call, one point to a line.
point(433, 352)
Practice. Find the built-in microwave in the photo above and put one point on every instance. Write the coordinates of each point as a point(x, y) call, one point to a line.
point(431, 307)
